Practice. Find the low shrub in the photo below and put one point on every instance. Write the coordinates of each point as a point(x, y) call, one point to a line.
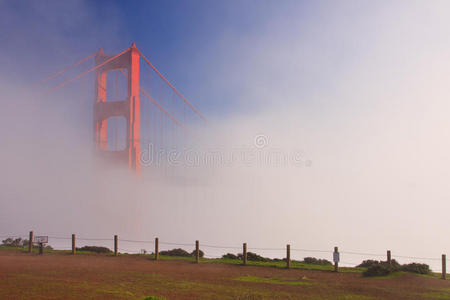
point(200, 253)
point(181, 252)
point(253, 257)
point(96, 249)
point(416, 268)
point(316, 261)
point(11, 242)
point(175, 252)
point(368, 263)
point(379, 269)
point(395, 264)
point(280, 259)
point(230, 256)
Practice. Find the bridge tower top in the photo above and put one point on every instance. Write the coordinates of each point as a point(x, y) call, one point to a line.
point(128, 108)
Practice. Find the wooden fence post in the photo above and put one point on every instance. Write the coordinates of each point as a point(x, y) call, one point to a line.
point(30, 242)
point(74, 249)
point(197, 252)
point(115, 245)
point(336, 263)
point(389, 260)
point(156, 248)
point(244, 253)
point(288, 256)
point(444, 267)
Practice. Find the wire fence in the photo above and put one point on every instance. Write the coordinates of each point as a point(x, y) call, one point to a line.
point(130, 246)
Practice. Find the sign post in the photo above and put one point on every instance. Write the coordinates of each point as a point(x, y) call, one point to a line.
point(244, 254)
point(288, 256)
point(336, 259)
point(30, 242)
point(40, 240)
point(444, 267)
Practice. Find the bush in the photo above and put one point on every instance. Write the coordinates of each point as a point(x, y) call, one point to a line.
point(95, 249)
point(250, 257)
point(200, 253)
point(368, 263)
point(379, 269)
point(253, 257)
point(175, 252)
point(416, 268)
point(316, 261)
point(395, 264)
point(10, 242)
point(280, 259)
point(230, 256)
point(383, 268)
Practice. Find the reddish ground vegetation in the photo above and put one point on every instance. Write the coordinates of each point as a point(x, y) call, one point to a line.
point(63, 276)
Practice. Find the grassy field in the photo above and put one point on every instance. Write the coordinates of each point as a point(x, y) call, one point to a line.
point(59, 275)
point(274, 264)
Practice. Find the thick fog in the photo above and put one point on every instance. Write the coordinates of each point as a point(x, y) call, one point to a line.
point(336, 133)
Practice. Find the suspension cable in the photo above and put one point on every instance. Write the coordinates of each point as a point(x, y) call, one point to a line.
point(157, 104)
point(88, 71)
point(173, 88)
point(65, 69)
point(161, 108)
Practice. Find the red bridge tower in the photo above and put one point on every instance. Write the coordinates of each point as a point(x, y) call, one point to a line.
point(128, 108)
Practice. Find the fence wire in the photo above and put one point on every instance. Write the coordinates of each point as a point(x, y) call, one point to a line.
point(132, 241)
point(110, 241)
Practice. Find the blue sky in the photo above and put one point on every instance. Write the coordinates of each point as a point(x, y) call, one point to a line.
point(184, 39)
point(226, 57)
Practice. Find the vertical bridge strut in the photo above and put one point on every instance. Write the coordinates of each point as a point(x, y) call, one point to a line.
point(128, 108)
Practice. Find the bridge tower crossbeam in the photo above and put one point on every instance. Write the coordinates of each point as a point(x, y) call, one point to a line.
point(128, 108)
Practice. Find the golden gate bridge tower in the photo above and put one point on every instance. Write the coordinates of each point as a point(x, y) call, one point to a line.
point(160, 120)
point(129, 108)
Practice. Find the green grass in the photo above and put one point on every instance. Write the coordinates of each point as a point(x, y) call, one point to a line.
point(391, 275)
point(274, 264)
point(2, 247)
point(353, 297)
point(438, 294)
point(285, 281)
point(125, 285)
point(35, 250)
point(436, 275)
point(282, 265)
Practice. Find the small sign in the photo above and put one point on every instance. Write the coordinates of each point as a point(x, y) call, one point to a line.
point(336, 257)
point(40, 239)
